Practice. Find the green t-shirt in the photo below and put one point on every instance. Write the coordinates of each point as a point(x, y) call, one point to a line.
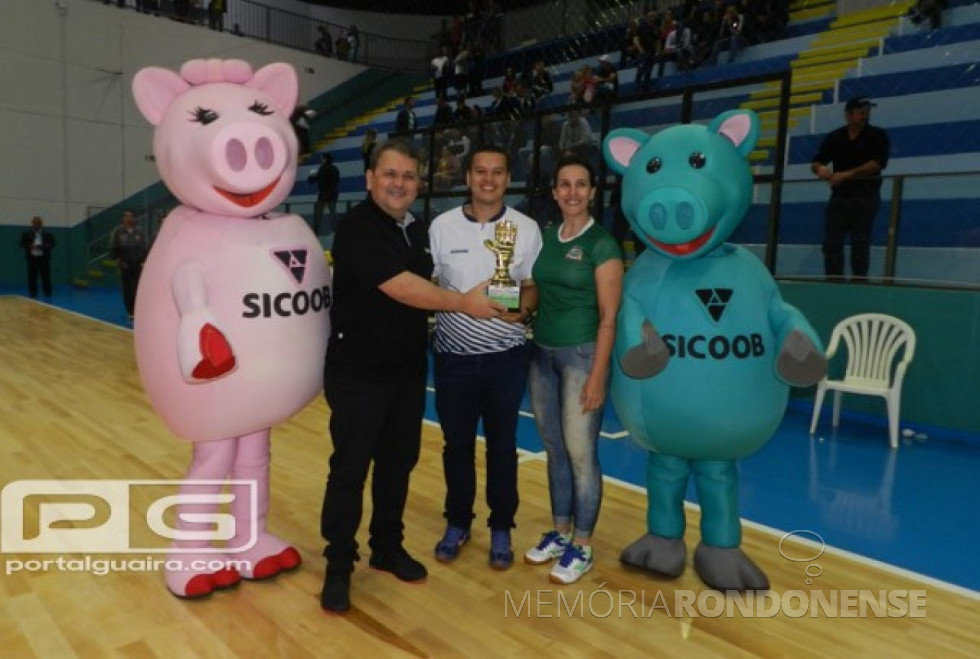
point(568, 307)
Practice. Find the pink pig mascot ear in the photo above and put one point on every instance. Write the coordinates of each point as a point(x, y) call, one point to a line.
point(232, 308)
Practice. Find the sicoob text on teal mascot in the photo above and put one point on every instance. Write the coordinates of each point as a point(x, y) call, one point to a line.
point(706, 349)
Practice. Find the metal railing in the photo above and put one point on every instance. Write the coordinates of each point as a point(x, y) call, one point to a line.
point(255, 20)
point(535, 24)
point(786, 221)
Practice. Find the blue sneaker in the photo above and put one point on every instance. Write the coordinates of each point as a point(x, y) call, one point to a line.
point(501, 553)
point(447, 549)
point(574, 563)
point(551, 546)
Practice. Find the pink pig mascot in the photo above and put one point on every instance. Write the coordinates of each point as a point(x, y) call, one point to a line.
point(232, 309)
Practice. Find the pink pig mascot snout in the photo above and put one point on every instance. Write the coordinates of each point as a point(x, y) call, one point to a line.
point(232, 308)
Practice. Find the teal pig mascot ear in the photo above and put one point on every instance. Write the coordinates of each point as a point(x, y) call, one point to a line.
point(706, 349)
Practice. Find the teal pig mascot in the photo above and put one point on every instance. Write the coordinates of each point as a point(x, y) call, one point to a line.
point(706, 349)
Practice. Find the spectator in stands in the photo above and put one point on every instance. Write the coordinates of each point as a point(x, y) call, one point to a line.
point(300, 119)
point(858, 151)
point(461, 72)
point(462, 114)
point(216, 14)
point(500, 104)
point(666, 27)
point(931, 10)
point(354, 42)
point(37, 243)
point(523, 101)
point(676, 49)
point(327, 178)
point(606, 79)
point(342, 46)
point(541, 84)
point(704, 31)
point(576, 88)
point(578, 139)
point(444, 113)
point(729, 35)
point(324, 43)
point(588, 85)
point(441, 39)
point(459, 144)
point(405, 121)
point(493, 26)
point(367, 146)
point(472, 24)
point(646, 44)
point(128, 246)
point(476, 64)
point(510, 79)
point(628, 51)
point(448, 170)
point(456, 34)
point(440, 69)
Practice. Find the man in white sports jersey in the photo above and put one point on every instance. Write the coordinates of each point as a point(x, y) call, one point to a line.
point(481, 365)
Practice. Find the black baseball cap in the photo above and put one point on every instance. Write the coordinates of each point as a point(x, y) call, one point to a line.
point(859, 102)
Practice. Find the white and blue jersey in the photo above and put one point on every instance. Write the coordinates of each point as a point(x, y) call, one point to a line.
point(462, 261)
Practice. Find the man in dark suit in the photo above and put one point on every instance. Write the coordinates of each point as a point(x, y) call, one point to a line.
point(327, 178)
point(406, 122)
point(37, 244)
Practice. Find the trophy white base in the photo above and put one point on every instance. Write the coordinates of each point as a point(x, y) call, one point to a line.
point(508, 296)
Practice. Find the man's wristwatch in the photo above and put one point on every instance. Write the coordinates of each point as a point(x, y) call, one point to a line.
point(526, 316)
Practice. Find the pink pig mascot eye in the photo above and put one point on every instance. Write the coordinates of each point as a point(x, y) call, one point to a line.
point(232, 310)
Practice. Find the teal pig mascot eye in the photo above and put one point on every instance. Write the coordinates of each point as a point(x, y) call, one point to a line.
point(697, 160)
point(654, 165)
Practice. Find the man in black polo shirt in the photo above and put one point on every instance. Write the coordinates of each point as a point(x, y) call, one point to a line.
point(858, 151)
point(376, 366)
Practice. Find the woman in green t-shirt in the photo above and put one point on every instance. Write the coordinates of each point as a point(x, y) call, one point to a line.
point(579, 275)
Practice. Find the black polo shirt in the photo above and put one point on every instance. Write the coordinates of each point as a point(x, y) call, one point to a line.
point(373, 338)
point(870, 144)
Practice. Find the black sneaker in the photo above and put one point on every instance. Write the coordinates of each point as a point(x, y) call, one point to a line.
point(336, 591)
point(400, 564)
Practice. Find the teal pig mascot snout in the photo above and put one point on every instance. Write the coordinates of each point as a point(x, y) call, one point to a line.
point(706, 348)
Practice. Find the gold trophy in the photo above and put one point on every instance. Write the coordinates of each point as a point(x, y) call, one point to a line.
point(504, 290)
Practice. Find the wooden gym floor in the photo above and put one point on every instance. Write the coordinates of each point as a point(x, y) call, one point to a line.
point(71, 407)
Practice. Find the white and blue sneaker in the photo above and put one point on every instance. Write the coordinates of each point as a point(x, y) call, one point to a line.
point(551, 546)
point(574, 563)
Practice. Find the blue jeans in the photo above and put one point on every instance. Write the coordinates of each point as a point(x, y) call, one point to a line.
point(470, 388)
point(570, 436)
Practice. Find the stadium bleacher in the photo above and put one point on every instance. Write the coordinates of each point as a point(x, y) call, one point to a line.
point(926, 82)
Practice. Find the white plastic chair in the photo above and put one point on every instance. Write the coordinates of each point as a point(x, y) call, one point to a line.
point(873, 343)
